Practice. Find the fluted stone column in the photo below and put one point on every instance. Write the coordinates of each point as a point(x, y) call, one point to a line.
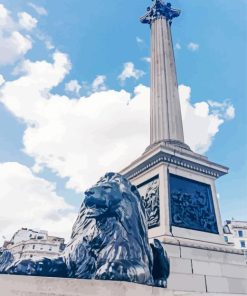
point(165, 112)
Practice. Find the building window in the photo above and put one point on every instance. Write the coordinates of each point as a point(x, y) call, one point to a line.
point(242, 244)
point(226, 239)
point(33, 247)
point(240, 233)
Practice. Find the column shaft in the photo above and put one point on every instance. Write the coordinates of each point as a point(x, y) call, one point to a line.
point(166, 119)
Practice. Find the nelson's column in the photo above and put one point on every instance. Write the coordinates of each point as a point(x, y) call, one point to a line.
point(177, 184)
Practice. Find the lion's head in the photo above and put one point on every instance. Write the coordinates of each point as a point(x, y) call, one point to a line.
point(104, 198)
point(112, 195)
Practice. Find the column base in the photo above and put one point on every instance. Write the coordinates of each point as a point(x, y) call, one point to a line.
point(169, 143)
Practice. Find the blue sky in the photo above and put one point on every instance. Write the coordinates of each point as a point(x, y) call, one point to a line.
point(103, 49)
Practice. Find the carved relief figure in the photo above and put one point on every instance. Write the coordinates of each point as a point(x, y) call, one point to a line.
point(192, 205)
point(152, 204)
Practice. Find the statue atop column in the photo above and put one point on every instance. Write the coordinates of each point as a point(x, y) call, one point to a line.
point(158, 9)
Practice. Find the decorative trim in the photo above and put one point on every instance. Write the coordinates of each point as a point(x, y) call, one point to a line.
point(208, 246)
point(163, 157)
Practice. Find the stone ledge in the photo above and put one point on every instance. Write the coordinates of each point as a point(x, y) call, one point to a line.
point(37, 286)
point(212, 256)
point(202, 245)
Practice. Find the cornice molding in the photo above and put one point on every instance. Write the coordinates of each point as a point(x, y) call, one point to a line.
point(163, 157)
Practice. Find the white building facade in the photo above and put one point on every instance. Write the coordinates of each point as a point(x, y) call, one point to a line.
point(235, 234)
point(28, 243)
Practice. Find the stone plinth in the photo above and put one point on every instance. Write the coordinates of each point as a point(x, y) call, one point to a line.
point(36, 286)
point(152, 174)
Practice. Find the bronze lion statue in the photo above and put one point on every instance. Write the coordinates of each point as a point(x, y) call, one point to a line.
point(109, 240)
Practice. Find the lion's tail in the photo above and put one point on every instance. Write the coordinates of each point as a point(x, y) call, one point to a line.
point(161, 264)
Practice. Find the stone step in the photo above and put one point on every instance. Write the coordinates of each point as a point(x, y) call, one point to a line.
point(37, 286)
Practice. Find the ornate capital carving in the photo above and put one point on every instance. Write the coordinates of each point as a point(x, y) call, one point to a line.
point(159, 9)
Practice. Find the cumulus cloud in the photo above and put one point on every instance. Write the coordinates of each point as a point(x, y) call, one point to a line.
point(26, 21)
point(129, 71)
point(99, 83)
point(13, 47)
point(13, 43)
point(30, 201)
point(80, 139)
point(193, 46)
point(202, 120)
point(39, 9)
point(73, 86)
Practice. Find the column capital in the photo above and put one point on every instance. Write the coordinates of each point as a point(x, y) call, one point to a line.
point(159, 9)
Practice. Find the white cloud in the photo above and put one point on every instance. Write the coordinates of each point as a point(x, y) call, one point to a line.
point(139, 40)
point(13, 47)
point(39, 9)
point(26, 21)
point(48, 44)
point(6, 22)
point(30, 201)
point(81, 139)
point(46, 39)
point(2, 80)
point(4, 14)
point(202, 120)
point(99, 83)
point(230, 112)
point(225, 108)
point(178, 46)
point(129, 71)
point(147, 59)
point(193, 46)
point(73, 86)
point(13, 43)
